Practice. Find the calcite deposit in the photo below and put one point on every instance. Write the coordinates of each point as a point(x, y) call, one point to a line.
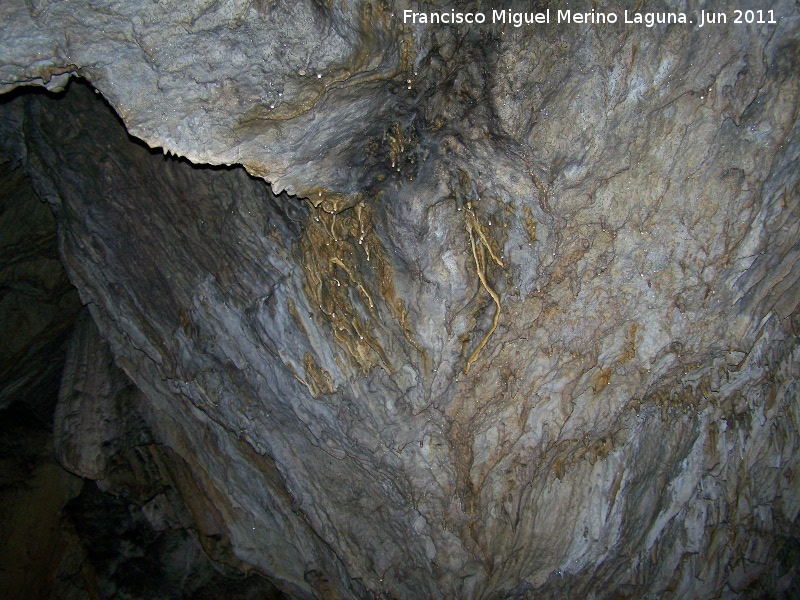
point(397, 310)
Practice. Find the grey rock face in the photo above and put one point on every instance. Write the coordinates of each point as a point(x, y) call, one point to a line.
point(525, 327)
point(95, 418)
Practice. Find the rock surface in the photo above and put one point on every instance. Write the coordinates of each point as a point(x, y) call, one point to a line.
point(516, 315)
point(38, 305)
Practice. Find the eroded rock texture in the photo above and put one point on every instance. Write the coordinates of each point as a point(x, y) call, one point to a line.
point(516, 316)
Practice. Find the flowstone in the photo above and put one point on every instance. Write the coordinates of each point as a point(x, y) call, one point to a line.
point(437, 311)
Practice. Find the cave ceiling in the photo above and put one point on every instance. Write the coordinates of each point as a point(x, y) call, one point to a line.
point(432, 311)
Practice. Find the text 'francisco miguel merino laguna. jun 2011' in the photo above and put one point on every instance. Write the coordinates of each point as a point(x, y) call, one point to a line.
point(701, 18)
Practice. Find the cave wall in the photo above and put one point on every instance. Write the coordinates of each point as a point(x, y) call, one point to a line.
point(484, 312)
point(38, 305)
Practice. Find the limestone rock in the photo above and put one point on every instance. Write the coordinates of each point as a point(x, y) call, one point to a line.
point(525, 327)
point(95, 416)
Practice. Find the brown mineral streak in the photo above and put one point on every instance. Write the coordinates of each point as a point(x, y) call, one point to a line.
point(473, 227)
point(318, 380)
point(340, 252)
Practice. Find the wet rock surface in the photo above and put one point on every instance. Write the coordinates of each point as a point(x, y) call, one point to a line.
point(515, 316)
